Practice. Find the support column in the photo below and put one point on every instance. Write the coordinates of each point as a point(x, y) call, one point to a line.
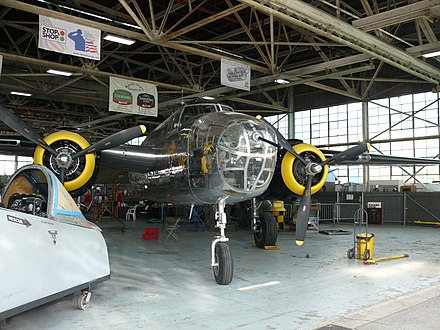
point(365, 138)
point(290, 115)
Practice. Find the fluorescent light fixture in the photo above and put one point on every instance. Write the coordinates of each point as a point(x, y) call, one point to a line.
point(21, 94)
point(282, 81)
point(130, 25)
point(226, 52)
point(120, 40)
point(432, 54)
point(77, 10)
point(209, 98)
point(59, 72)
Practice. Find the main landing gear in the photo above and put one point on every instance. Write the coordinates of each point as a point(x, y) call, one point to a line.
point(222, 262)
point(264, 227)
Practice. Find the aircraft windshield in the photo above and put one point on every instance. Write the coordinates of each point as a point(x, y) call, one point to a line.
point(185, 115)
point(190, 111)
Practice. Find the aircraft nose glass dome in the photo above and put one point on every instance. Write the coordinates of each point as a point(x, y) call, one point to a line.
point(246, 163)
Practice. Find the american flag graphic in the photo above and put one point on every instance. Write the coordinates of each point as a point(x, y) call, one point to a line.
point(91, 47)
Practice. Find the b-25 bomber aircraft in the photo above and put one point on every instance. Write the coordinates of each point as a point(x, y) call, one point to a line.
point(202, 154)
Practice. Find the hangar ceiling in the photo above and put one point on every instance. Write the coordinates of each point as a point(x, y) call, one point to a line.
point(330, 51)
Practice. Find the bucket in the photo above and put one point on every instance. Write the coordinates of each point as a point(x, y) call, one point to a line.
point(365, 246)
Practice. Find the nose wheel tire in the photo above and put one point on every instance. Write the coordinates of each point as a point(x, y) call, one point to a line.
point(266, 231)
point(224, 269)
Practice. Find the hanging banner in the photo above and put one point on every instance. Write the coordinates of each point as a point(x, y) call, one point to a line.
point(134, 97)
point(236, 75)
point(69, 38)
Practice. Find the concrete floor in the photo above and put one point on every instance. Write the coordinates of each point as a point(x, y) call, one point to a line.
point(168, 284)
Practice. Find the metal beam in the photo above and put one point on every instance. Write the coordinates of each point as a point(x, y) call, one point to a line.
point(397, 15)
point(350, 60)
point(203, 22)
point(272, 107)
point(299, 13)
point(306, 81)
point(124, 32)
point(424, 49)
point(71, 68)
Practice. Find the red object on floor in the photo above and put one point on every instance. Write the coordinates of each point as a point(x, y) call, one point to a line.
point(151, 234)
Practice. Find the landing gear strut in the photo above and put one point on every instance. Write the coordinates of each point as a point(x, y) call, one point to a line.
point(222, 262)
point(264, 227)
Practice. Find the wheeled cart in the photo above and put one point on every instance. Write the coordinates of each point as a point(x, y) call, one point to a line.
point(48, 250)
point(363, 241)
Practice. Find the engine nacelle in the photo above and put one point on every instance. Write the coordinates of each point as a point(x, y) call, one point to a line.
point(293, 171)
point(80, 172)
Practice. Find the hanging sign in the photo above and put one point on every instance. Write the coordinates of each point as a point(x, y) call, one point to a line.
point(236, 75)
point(134, 97)
point(69, 38)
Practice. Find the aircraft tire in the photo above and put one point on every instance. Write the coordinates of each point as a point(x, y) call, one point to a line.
point(224, 272)
point(266, 232)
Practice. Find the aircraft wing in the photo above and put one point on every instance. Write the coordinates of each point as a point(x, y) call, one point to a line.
point(378, 159)
point(16, 145)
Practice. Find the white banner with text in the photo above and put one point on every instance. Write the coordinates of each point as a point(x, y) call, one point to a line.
point(134, 97)
point(69, 38)
point(236, 75)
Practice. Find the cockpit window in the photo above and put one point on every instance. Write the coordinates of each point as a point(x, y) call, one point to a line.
point(191, 111)
point(180, 118)
point(226, 108)
point(27, 193)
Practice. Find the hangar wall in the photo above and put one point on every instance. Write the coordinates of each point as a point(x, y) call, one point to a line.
point(398, 207)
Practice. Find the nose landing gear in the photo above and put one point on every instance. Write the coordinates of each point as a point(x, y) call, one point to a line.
point(222, 262)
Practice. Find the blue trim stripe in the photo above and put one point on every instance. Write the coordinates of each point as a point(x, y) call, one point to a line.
point(55, 207)
point(63, 212)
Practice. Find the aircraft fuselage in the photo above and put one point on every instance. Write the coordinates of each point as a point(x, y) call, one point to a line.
point(205, 157)
point(208, 154)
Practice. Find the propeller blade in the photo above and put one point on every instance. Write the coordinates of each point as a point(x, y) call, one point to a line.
point(62, 175)
point(302, 218)
point(18, 125)
point(283, 142)
point(113, 140)
point(348, 154)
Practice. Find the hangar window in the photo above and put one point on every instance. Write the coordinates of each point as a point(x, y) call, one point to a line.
point(302, 125)
point(9, 164)
point(137, 141)
point(407, 126)
point(280, 122)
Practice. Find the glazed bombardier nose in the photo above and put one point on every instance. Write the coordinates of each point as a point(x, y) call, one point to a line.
point(246, 163)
